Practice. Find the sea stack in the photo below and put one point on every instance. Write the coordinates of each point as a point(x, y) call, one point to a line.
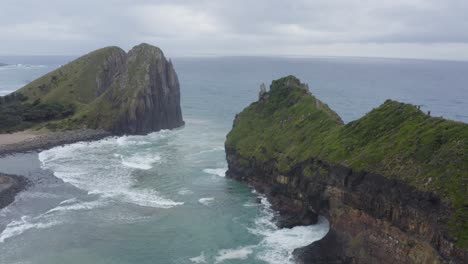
point(108, 89)
point(392, 184)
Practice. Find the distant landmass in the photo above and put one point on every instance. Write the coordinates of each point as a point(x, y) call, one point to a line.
point(108, 89)
point(392, 183)
point(3, 64)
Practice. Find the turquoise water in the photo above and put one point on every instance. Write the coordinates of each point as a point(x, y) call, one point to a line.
point(163, 198)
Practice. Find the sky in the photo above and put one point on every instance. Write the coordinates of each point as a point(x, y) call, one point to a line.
point(433, 29)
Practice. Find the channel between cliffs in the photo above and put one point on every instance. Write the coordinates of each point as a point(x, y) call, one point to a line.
point(373, 218)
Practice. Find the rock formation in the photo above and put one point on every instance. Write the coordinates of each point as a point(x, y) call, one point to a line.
point(123, 93)
point(392, 183)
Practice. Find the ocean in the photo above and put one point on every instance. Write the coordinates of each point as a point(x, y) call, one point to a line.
point(164, 198)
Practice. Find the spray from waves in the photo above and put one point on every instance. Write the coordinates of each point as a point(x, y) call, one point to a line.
point(277, 244)
point(93, 167)
point(241, 253)
point(221, 172)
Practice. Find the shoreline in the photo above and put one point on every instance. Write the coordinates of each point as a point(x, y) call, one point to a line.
point(32, 142)
point(10, 186)
point(24, 142)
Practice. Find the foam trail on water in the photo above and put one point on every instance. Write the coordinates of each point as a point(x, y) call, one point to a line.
point(199, 259)
point(68, 205)
point(241, 253)
point(16, 228)
point(221, 172)
point(206, 201)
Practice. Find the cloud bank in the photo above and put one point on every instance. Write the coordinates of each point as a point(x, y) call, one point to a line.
point(397, 28)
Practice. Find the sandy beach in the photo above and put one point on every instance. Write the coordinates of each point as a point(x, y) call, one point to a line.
point(17, 137)
point(26, 141)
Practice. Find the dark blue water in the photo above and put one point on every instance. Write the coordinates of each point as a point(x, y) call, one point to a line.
point(163, 198)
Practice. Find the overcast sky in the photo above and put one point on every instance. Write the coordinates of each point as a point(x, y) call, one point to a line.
point(435, 29)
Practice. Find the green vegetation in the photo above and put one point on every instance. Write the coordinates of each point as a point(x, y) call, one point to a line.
point(18, 114)
point(396, 140)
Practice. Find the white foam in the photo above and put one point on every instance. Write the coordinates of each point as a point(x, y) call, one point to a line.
point(241, 253)
point(277, 244)
point(184, 191)
point(16, 228)
point(140, 161)
point(199, 259)
point(221, 172)
point(76, 206)
point(103, 168)
point(206, 201)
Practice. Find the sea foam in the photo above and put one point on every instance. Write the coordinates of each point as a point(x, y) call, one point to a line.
point(105, 168)
point(221, 172)
point(241, 253)
point(18, 227)
point(206, 201)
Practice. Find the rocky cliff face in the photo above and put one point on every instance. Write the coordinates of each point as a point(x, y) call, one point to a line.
point(292, 147)
point(155, 103)
point(124, 93)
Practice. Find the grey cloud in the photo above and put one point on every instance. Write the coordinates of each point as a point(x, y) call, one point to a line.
point(230, 27)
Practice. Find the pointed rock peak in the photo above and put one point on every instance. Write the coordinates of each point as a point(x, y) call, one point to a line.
point(145, 48)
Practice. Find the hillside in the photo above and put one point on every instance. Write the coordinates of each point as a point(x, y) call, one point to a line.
point(293, 137)
point(124, 93)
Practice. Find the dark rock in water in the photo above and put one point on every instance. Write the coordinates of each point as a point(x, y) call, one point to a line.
point(328, 250)
point(10, 185)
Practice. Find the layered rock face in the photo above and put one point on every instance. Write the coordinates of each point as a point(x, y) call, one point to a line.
point(134, 93)
point(155, 103)
point(384, 202)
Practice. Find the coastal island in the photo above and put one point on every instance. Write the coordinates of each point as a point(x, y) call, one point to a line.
point(3, 64)
point(392, 184)
point(103, 93)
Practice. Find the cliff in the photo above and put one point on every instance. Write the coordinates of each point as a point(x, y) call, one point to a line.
point(392, 183)
point(123, 93)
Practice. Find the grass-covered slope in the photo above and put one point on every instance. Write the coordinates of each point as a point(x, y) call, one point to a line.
point(289, 125)
point(76, 82)
point(124, 93)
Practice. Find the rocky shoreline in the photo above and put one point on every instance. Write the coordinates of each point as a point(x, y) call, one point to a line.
point(10, 185)
point(373, 219)
point(391, 183)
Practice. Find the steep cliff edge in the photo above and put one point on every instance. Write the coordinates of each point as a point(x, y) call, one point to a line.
point(123, 93)
point(393, 183)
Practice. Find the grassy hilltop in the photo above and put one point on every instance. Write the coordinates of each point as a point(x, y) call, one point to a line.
point(134, 92)
point(289, 125)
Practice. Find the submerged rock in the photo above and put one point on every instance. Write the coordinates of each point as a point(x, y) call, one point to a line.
point(10, 185)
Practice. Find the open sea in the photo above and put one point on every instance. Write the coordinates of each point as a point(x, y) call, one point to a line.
point(164, 198)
